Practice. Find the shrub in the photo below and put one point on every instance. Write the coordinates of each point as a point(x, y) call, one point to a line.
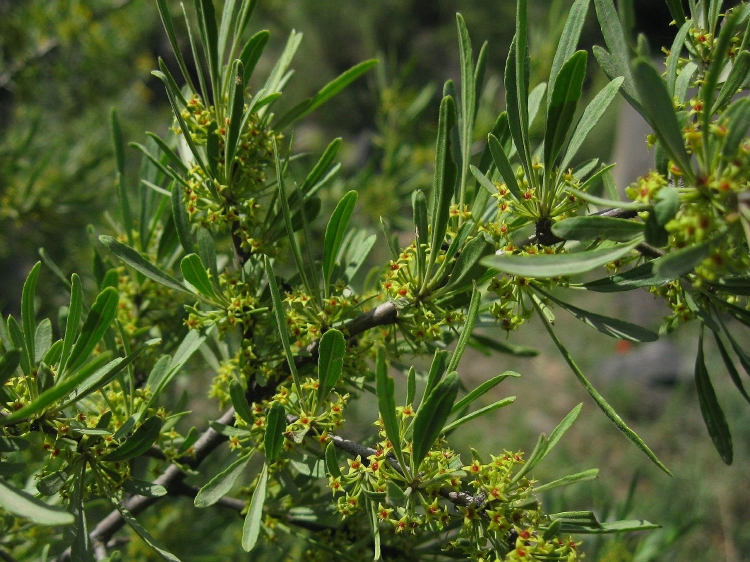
point(218, 256)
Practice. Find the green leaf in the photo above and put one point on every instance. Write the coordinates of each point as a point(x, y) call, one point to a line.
point(739, 121)
point(481, 390)
point(387, 404)
point(138, 443)
point(463, 339)
point(24, 505)
point(675, 8)
point(27, 311)
point(42, 339)
point(676, 264)
point(712, 413)
point(326, 93)
point(567, 480)
point(335, 234)
point(220, 485)
point(9, 362)
point(544, 266)
point(51, 484)
point(562, 106)
point(444, 181)
point(437, 370)
point(251, 53)
point(421, 233)
point(627, 526)
point(332, 462)
point(479, 413)
point(674, 56)
point(275, 427)
point(278, 310)
point(166, 19)
point(563, 426)
point(331, 353)
point(320, 168)
point(431, 417)
point(61, 389)
point(719, 55)
point(240, 403)
point(140, 264)
point(236, 109)
point(145, 535)
point(181, 219)
point(539, 452)
point(568, 40)
point(17, 342)
point(144, 488)
point(595, 227)
point(101, 315)
point(482, 342)
point(195, 273)
point(614, 36)
point(122, 194)
point(731, 369)
point(468, 268)
point(591, 116)
point(503, 166)
point(660, 113)
point(610, 326)
point(644, 275)
point(209, 40)
point(627, 205)
point(598, 398)
point(253, 519)
point(468, 102)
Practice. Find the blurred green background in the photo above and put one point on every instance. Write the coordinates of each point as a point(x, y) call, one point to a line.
point(65, 64)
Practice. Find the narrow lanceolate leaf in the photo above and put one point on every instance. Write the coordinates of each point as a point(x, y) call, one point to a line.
point(326, 93)
point(644, 275)
point(731, 369)
point(444, 182)
point(9, 362)
point(181, 219)
point(555, 265)
point(252, 51)
point(610, 326)
point(713, 415)
point(568, 40)
point(660, 113)
point(467, 266)
point(431, 417)
point(335, 231)
point(144, 488)
point(132, 522)
point(735, 80)
point(278, 311)
point(22, 504)
point(563, 426)
point(138, 443)
point(421, 232)
point(676, 264)
point(479, 413)
point(567, 480)
point(166, 19)
point(220, 485)
point(598, 398)
point(536, 456)
point(332, 461)
point(468, 101)
point(236, 107)
point(562, 106)
point(240, 403)
point(481, 390)
point(626, 526)
point(141, 264)
point(463, 339)
point(60, 390)
point(253, 519)
point(27, 311)
point(594, 227)
point(275, 427)
point(503, 166)
point(384, 388)
point(674, 56)
point(195, 273)
point(591, 116)
point(100, 316)
point(331, 353)
point(437, 370)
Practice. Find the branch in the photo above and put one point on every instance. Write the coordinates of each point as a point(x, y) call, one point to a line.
point(171, 479)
